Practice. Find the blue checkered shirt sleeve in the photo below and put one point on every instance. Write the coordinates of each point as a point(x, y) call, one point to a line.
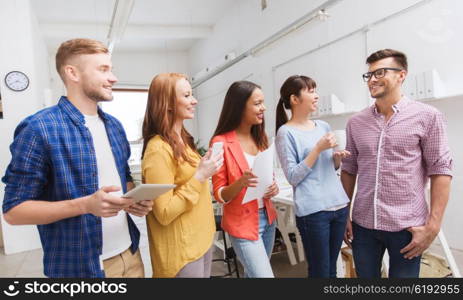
point(27, 172)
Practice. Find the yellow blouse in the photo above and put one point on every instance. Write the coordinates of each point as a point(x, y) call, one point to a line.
point(181, 226)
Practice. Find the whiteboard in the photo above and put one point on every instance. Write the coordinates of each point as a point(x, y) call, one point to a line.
point(336, 69)
point(430, 36)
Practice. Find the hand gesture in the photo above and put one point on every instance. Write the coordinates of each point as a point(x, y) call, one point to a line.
point(326, 142)
point(422, 237)
point(248, 179)
point(103, 204)
point(341, 154)
point(209, 165)
point(272, 191)
point(348, 234)
point(141, 208)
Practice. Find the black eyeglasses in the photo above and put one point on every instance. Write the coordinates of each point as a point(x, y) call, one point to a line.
point(379, 73)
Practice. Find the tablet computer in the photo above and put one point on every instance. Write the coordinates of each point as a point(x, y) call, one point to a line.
point(148, 191)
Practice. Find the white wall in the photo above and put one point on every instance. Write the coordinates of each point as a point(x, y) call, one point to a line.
point(428, 33)
point(137, 69)
point(22, 49)
point(57, 88)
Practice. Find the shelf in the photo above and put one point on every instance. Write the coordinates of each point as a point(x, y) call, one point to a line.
point(444, 98)
point(349, 113)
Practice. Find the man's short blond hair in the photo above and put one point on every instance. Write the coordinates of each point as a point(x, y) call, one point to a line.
point(75, 47)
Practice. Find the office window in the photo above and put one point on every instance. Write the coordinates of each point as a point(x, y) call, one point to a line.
point(128, 106)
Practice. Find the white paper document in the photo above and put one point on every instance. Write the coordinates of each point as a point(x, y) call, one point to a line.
point(263, 169)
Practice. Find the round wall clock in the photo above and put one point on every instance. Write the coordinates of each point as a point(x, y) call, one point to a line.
point(16, 81)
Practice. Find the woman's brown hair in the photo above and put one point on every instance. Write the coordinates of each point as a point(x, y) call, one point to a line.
point(233, 109)
point(160, 116)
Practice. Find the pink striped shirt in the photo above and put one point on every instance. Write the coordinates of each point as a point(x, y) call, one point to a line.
point(393, 161)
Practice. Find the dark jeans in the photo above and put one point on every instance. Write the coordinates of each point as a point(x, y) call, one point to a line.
point(368, 247)
point(322, 234)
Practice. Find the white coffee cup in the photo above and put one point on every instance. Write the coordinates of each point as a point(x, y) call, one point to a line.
point(340, 136)
point(216, 147)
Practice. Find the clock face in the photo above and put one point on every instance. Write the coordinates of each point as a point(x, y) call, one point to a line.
point(17, 81)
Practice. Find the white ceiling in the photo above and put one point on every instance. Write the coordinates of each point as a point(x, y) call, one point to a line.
point(154, 25)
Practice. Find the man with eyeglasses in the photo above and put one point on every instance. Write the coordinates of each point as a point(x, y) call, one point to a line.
point(396, 145)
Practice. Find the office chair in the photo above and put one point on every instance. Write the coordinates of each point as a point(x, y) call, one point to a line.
point(229, 253)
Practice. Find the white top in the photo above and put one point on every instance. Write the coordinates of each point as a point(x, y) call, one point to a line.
point(250, 159)
point(116, 237)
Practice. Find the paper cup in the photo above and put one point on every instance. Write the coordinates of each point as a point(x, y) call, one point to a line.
point(340, 136)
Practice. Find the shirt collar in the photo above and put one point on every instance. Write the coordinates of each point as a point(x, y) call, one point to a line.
point(396, 107)
point(403, 102)
point(74, 113)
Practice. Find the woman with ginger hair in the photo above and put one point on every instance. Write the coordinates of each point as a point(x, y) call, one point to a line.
point(181, 226)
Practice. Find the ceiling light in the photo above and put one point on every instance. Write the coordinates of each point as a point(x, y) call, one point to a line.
point(121, 14)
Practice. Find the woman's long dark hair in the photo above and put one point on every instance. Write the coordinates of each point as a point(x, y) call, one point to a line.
point(292, 86)
point(233, 109)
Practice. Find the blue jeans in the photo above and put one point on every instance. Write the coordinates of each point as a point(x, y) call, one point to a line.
point(322, 234)
point(255, 255)
point(368, 247)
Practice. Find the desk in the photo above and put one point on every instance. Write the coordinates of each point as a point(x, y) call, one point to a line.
point(284, 205)
point(135, 170)
point(286, 223)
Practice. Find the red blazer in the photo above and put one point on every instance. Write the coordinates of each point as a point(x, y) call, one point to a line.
point(239, 220)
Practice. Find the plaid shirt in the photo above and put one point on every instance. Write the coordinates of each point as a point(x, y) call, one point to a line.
point(53, 159)
point(393, 161)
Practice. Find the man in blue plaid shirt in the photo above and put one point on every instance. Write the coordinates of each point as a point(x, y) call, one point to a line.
point(68, 172)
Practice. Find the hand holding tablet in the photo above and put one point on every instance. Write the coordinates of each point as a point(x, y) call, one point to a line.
point(148, 191)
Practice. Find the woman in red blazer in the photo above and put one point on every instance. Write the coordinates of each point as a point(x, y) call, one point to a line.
point(251, 226)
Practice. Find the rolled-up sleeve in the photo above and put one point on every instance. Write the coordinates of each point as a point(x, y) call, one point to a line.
point(27, 174)
point(349, 164)
point(436, 151)
point(294, 170)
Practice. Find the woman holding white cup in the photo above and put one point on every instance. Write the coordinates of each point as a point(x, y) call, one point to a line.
point(305, 149)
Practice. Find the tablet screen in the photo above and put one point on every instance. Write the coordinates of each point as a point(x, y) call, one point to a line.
point(148, 191)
